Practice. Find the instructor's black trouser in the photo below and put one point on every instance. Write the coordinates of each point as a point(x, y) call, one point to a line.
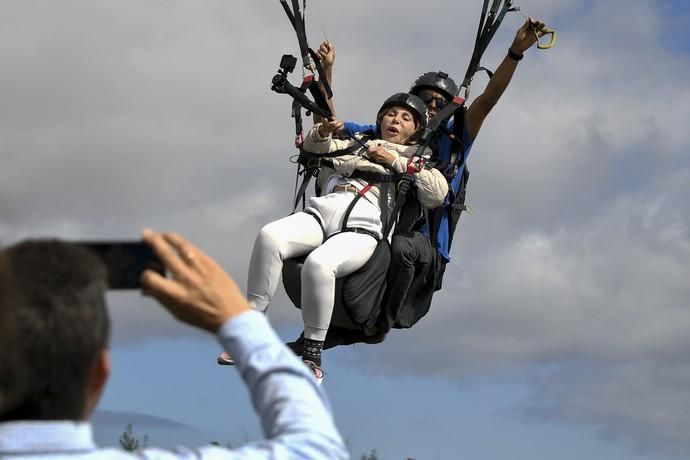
point(411, 274)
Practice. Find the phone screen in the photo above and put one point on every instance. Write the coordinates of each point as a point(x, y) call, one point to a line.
point(125, 261)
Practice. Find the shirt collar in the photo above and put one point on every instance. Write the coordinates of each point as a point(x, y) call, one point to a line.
point(45, 437)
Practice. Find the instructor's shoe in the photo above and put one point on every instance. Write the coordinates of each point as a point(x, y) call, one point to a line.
point(224, 359)
point(297, 346)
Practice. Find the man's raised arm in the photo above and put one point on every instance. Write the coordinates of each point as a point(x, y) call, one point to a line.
point(525, 37)
point(295, 412)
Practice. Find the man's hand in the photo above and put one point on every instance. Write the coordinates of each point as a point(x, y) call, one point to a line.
point(326, 54)
point(525, 37)
point(329, 127)
point(528, 35)
point(198, 292)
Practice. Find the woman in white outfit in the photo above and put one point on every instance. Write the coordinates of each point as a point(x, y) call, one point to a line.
point(318, 231)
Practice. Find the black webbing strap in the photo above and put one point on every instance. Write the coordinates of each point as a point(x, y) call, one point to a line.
point(406, 179)
point(462, 188)
point(459, 163)
point(283, 86)
point(311, 163)
point(318, 220)
point(485, 23)
point(358, 196)
point(307, 52)
point(495, 20)
point(362, 230)
point(485, 6)
point(440, 119)
point(344, 227)
point(299, 128)
point(434, 224)
point(346, 217)
point(488, 25)
point(454, 168)
point(453, 202)
point(319, 97)
point(403, 188)
point(297, 20)
point(376, 178)
point(315, 160)
point(307, 173)
point(458, 135)
point(300, 29)
point(290, 16)
point(383, 201)
point(297, 115)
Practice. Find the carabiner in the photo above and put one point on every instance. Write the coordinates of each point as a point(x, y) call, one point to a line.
point(546, 46)
point(546, 31)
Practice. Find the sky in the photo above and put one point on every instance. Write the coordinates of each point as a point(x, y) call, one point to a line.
point(562, 328)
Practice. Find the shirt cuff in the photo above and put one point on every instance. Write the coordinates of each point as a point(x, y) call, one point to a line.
point(244, 333)
point(257, 350)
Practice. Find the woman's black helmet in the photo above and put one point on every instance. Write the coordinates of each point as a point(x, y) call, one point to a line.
point(408, 101)
point(438, 81)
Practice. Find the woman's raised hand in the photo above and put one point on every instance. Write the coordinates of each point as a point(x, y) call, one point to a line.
point(329, 127)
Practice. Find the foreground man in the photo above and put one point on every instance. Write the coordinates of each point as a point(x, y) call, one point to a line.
point(52, 300)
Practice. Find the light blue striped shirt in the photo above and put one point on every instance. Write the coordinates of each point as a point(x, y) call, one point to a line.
point(295, 412)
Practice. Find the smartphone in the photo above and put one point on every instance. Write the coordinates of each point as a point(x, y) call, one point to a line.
point(125, 261)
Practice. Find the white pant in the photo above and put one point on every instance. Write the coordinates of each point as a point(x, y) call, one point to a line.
point(301, 233)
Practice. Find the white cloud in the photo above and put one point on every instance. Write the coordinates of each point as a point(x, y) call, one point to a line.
point(590, 303)
point(120, 115)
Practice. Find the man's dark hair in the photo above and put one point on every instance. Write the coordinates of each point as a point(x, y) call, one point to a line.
point(55, 306)
point(10, 379)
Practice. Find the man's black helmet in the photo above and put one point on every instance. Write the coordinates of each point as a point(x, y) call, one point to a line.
point(408, 101)
point(438, 81)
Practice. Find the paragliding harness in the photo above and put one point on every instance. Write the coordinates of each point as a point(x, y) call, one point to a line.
point(430, 279)
point(360, 296)
point(309, 165)
point(362, 300)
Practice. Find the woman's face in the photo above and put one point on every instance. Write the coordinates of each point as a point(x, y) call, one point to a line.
point(397, 125)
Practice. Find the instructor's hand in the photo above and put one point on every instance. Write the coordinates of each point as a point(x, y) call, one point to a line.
point(198, 291)
point(527, 35)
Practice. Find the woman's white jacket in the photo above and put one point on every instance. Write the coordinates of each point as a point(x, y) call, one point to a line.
point(431, 185)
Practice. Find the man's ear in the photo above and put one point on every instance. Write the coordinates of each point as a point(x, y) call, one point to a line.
point(97, 380)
